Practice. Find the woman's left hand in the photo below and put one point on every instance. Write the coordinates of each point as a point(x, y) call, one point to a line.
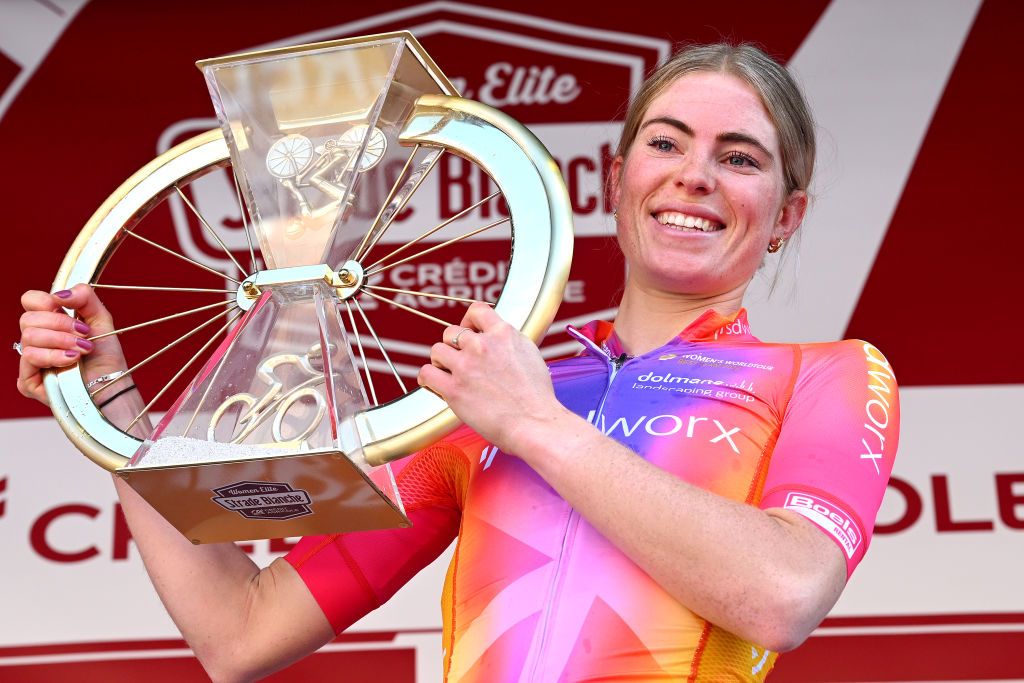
point(493, 377)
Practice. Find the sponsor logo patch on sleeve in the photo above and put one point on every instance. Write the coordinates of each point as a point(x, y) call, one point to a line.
point(830, 517)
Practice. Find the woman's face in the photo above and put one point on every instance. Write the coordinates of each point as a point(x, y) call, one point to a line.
point(700, 193)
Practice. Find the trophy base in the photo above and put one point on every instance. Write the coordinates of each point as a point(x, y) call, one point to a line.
point(320, 492)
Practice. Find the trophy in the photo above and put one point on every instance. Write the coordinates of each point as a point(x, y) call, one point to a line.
point(280, 431)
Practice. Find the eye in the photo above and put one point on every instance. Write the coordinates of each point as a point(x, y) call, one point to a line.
point(661, 144)
point(741, 160)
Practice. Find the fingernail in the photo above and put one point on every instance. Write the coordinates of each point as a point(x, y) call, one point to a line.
point(63, 294)
point(71, 354)
point(85, 344)
point(82, 327)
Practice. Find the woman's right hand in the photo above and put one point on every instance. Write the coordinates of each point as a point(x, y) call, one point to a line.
point(52, 339)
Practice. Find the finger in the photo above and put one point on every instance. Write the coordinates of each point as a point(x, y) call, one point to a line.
point(26, 371)
point(35, 300)
point(83, 299)
point(30, 381)
point(443, 356)
point(53, 320)
point(449, 333)
point(53, 339)
point(453, 332)
point(481, 317)
point(435, 379)
point(47, 358)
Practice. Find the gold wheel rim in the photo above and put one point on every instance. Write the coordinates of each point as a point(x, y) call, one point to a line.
point(537, 272)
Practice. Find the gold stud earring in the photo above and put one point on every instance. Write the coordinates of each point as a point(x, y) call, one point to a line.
point(775, 245)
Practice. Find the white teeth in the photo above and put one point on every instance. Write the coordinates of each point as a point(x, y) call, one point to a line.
point(681, 220)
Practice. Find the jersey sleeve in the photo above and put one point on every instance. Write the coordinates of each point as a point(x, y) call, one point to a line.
point(352, 574)
point(837, 443)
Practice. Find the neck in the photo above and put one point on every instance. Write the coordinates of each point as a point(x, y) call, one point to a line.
point(650, 318)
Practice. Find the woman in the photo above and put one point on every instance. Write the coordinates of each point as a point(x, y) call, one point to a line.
point(726, 540)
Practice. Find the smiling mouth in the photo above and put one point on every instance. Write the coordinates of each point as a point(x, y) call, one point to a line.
point(686, 223)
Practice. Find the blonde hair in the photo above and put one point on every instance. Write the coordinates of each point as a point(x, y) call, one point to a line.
point(781, 96)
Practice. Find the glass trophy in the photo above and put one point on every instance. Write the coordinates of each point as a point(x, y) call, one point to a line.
point(276, 435)
point(263, 443)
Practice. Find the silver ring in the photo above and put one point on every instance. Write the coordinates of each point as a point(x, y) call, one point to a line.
point(455, 339)
point(17, 347)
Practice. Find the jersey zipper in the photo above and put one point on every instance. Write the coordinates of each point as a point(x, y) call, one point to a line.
point(615, 364)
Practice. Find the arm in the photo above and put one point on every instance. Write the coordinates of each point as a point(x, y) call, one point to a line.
point(289, 609)
point(245, 623)
point(767, 575)
point(241, 621)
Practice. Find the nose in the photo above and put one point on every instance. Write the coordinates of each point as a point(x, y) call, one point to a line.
point(695, 175)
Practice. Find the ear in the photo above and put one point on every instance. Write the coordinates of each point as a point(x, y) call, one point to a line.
point(614, 178)
point(791, 215)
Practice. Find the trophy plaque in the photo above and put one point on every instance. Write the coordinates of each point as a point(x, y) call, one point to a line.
point(280, 431)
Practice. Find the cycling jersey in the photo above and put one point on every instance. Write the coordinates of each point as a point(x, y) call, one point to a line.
point(535, 593)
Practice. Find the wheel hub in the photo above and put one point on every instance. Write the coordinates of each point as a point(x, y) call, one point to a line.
point(347, 281)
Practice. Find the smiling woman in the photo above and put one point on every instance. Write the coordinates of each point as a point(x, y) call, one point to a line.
point(719, 142)
point(698, 515)
point(680, 500)
point(701, 193)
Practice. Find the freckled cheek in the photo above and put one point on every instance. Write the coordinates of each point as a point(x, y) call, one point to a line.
point(755, 213)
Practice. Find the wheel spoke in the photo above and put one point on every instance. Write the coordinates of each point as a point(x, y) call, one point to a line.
point(142, 363)
point(181, 256)
point(428, 295)
point(453, 240)
point(384, 204)
point(407, 308)
point(165, 289)
point(209, 229)
point(165, 318)
point(430, 232)
point(245, 222)
point(359, 345)
point(184, 367)
point(383, 351)
point(404, 369)
point(401, 204)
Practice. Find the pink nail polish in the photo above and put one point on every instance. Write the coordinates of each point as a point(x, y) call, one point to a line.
point(71, 354)
point(85, 344)
point(81, 327)
point(63, 294)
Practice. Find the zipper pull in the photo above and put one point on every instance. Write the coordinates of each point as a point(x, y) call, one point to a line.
point(620, 361)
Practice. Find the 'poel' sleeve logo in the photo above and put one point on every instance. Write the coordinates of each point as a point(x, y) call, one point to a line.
point(264, 500)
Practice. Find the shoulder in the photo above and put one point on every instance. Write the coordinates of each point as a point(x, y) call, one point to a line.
point(845, 384)
point(846, 358)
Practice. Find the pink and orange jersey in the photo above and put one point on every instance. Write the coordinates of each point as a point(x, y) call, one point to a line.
point(535, 593)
